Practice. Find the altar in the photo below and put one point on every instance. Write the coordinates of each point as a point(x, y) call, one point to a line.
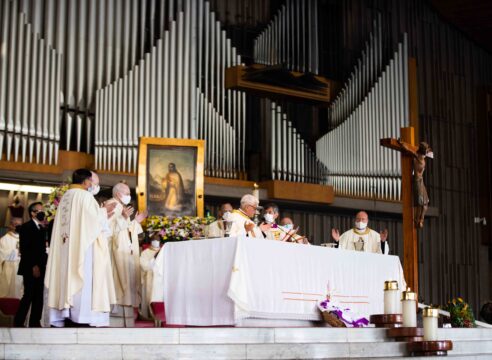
point(217, 282)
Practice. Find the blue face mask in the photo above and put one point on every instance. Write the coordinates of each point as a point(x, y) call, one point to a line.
point(289, 226)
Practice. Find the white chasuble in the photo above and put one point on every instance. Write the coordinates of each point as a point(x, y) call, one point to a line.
point(78, 274)
point(366, 240)
point(10, 283)
point(147, 261)
point(215, 229)
point(126, 258)
point(239, 219)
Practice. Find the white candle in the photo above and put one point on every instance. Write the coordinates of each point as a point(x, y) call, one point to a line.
point(409, 308)
point(391, 303)
point(256, 191)
point(430, 324)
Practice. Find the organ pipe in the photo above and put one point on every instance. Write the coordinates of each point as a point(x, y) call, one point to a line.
point(381, 113)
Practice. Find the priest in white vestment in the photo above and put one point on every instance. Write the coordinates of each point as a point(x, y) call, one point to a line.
point(147, 261)
point(361, 237)
point(79, 259)
point(10, 283)
point(125, 252)
point(242, 225)
point(217, 228)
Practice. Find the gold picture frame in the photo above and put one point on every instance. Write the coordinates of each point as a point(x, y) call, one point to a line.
point(170, 177)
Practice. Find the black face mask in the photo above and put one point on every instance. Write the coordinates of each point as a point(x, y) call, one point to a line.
point(40, 216)
point(17, 228)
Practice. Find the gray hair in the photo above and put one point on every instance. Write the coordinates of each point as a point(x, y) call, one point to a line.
point(248, 199)
point(118, 188)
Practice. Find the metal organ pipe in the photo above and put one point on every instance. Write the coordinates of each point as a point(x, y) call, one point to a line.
point(29, 76)
point(380, 114)
point(164, 95)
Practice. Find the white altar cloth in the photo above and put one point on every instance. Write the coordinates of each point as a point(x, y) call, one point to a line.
point(222, 281)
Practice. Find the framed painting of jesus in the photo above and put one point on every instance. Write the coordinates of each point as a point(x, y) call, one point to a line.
point(170, 176)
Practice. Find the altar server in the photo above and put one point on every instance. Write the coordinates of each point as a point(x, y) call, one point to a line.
point(10, 282)
point(147, 260)
point(78, 275)
point(125, 254)
point(361, 237)
point(216, 229)
point(241, 219)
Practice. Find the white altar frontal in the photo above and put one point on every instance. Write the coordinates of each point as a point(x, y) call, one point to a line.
point(232, 280)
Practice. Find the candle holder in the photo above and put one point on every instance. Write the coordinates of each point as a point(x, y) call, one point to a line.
point(407, 334)
point(431, 346)
point(392, 318)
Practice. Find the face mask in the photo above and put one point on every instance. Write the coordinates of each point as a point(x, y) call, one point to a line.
point(360, 225)
point(156, 244)
point(289, 226)
point(17, 228)
point(430, 155)
point(40, 216)
point(125, 199)
point(94, 189)
point(226, 216)
point(269, 218)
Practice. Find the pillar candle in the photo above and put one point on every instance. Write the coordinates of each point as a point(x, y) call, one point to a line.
point(431, 316)
point(391, 303)
point(409, 308)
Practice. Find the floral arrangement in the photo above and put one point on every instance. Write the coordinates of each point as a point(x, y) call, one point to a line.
point(53, 200)
point(178, 228)
point(340, 316)
point(461, 313)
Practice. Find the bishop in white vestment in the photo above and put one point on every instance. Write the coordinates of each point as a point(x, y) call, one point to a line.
point(217, 228)
point(10, 283)
point(361, 237)
point(125, 252)
point(79, 259)
point(147, 261)
point(242, 225)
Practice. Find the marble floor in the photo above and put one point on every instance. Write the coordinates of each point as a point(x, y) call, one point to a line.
point(224, 343)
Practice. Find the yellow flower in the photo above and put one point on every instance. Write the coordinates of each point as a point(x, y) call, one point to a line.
point(460, 300)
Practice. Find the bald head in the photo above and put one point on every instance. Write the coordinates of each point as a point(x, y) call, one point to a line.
point(120, 190)
point(362, 216)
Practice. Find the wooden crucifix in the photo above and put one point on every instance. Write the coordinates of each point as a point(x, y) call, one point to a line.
point(410, 256)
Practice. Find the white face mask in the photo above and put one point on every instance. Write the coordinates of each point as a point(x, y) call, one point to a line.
point(94, 190)
point(156, 244)
point(430, 155)
point(360, 225)
point(269, 218)
point(289, 226)
point(125, 199)
point(226, 216)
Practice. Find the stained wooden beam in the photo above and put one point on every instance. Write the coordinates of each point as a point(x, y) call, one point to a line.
point(303, 192)
point(235, 79)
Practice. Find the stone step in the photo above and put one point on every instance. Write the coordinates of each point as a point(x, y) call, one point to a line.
point(224, 343)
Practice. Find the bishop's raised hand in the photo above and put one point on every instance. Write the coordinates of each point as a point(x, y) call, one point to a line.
point(335, 234)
